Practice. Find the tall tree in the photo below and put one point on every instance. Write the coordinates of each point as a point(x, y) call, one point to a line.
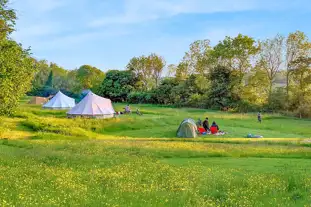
point(236, 54)
point(16, 66)
point(117, 85)
point(221, 83)
point(49, 82)
point(271, 58)
point(90, 77)
point(297, 46)
point(197, 59)
point(7, 19)
point(302, 82)
point(156, 65)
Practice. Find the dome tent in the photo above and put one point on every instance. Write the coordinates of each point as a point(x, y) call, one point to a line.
point(60, 101)
point(187, 129)
point(93, 106)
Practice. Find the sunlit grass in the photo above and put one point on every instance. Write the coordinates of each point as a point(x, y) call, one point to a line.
point(49, 160)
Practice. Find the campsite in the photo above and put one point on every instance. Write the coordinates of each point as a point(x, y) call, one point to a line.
point(141, 103)
point(131, 160)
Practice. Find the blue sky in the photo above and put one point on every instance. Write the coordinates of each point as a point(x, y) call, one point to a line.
point(107, 33)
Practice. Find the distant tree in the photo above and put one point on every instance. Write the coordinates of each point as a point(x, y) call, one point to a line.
point(255, 91)
point(49, 82)
point(156, 65)
point(197, 59)
point(301, 77)
point(148, 70)
point(221, 85)
point(236, 54)
point(297, 46)
point(117, 85)
point(90, 77)
point(163, 93)
point(271, 58)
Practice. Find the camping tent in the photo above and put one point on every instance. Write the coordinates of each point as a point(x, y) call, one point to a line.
point(38, 100)
point(187, 129)
point(60, 101)
point(93, 106)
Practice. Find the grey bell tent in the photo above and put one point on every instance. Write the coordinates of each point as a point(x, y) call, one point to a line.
point(187, 129)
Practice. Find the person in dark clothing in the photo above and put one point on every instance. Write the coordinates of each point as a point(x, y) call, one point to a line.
point(214, 128)
point(206, 124)
point(215, 125)
point(259, 117)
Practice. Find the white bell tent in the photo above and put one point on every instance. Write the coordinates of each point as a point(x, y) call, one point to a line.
point(93, 106)
point(60, 101)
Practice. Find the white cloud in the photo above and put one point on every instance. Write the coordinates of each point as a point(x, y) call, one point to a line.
point(136, 11)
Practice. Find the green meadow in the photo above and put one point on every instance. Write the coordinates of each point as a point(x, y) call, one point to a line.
point(49, 160)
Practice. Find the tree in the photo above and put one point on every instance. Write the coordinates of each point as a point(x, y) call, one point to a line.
point(148, 70)
point(138, 65)
point(271, 58)
point(90, 77)
point(297, 46)
point(7, 19)
point(41, 75)
point(49, 82)
point(117, 85)
point(163, 92)
point(156, 65)
point(16, 66)
point(221, 84)
point(255, 91)
point(302, 82)
point(16, 73)
point(236, 54)
point(197, 59)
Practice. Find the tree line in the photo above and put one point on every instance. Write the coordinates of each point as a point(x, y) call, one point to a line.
point(238, 74)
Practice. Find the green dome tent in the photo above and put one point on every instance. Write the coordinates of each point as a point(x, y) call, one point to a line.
point(187, 129)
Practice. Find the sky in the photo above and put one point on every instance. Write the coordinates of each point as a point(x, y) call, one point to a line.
point(108, 33)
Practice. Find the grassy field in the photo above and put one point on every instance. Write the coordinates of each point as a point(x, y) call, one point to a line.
point(49, 160)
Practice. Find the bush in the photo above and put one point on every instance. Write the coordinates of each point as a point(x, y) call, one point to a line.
point(141, 98)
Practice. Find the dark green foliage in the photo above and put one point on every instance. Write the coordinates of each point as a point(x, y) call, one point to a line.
point(117, 85)
point(142, 97)
point(221, 85)
point(49, 82)
point(90, 77)
point(16, 74)
point(163, 92)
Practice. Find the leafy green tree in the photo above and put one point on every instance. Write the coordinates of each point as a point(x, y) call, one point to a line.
point(156, 65)
point(220, 95)
point(90, 77)
point(197, 59)
point(301, 78)
point(255, 91)
point(271, 59)
point(236, 54)
point(7, 19)
point(117, 85)
point(163, 92)
point(297, 46)
point(16, 66)
point(16, 73)
point(49, 82)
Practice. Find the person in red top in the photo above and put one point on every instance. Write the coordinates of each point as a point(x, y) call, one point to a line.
point(214, 128)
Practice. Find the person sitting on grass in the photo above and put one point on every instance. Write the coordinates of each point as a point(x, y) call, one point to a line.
point(214, 128)
point(138, 112)
point(199, 123)
point(127, 109)
point(206, 124)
